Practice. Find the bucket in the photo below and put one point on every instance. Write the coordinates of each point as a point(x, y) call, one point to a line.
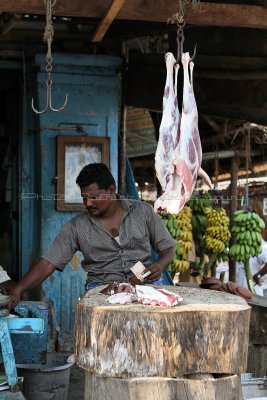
point(46, 381)
point(254, 388)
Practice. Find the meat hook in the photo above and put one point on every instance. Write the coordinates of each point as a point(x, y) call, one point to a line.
point(194, 54)
point(48, 37)
point(49, 83)
point(180, 44)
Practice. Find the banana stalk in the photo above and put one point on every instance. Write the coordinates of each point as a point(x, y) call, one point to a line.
point(249, 276)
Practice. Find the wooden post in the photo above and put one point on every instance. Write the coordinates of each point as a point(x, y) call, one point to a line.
point(233, 207)
point(122, 173)
point(123, 126)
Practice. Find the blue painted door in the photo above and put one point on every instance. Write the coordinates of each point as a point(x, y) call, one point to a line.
point(93, 87)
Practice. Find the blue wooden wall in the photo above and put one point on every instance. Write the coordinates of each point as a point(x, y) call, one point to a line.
point(93, 87)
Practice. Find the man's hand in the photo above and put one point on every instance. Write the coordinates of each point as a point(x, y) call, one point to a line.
point(155, 270)
point(37, 274)
point(258, 279)
point(15, 295)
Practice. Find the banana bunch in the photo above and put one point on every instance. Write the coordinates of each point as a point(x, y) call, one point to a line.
point(217, 231)
point(198, 202)
point(171, 224)
point(247, 235)
point(178, 266)
point(186, 238)
point(179, 226)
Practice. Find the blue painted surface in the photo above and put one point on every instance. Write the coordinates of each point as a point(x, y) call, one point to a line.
point(8, 395)
point(7, 353)
point(31, 348)
point(93, 88)
point(29, 179)
point(26, 325)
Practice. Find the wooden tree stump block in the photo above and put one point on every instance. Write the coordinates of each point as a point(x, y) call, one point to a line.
point(222, 388)
point(207, 333)
point(257, 352)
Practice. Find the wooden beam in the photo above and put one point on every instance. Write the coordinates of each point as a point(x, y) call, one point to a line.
point(250, 114)
point(227, 154)
point(231, 75)
point(235, 15)
point(257, 170)
point(15, 19)
point(107, 19)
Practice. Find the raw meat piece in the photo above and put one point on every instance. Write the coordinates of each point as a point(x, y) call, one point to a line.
point(114, 288)
point(187, 157)
point(183, 164)
point(156, 297)
point(121, 298)
point(168, 131)
point(125, 288)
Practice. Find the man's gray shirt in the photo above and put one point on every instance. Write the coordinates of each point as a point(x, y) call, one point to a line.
point(106, 260)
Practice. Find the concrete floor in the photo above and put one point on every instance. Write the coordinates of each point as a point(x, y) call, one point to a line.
point(76, 385)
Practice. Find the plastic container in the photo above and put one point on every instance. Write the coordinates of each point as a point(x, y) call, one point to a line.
point(254, 388)
point(46, 381)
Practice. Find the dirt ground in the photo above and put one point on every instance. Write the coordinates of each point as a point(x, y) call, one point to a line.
point(76, 385)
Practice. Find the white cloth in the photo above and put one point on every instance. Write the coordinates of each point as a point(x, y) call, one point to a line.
point(117, 238)
point(256, 264)
point(223, 267)
point(3, 275)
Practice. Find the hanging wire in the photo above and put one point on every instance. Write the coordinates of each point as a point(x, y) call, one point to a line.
point(216, 172)
point(48, 38)
point(248, 161)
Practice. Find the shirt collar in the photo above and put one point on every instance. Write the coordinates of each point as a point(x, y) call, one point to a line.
point(126, 203)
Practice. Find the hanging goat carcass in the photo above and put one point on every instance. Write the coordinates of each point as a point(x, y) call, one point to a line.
point(179, 155)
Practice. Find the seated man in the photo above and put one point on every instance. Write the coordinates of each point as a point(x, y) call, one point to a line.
point(112, 233)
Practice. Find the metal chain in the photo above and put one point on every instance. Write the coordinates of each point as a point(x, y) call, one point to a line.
point(180, 41)
point(179, 20)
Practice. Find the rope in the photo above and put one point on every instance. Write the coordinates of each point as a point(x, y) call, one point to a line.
point(49, 31)
point(216, 172)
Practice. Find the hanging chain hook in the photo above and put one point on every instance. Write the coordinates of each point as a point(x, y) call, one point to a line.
point(48, 38)
point(179, 20)
point(180, 41)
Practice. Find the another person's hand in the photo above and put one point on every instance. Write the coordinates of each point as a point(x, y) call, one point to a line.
point(258, 279)
point(155, 270)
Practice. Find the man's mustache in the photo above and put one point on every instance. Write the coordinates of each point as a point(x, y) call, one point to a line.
point(89, 209)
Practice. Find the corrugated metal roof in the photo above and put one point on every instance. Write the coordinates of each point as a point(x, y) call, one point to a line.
point(141, 139)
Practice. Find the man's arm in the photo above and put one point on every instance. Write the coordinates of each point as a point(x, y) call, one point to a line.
point(156, 268)
point(258, 276)
point(33, 277)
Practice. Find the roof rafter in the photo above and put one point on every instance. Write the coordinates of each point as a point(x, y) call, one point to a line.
point(209, 14)
point(107, 19)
